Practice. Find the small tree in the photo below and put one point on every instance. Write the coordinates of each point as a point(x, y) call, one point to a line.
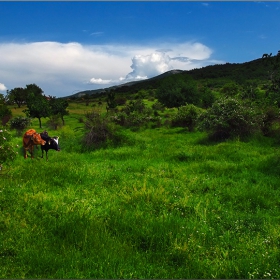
point(111, 101)
point(2, 99)
point(58, 107)
point(38, 107)
point(17, 95)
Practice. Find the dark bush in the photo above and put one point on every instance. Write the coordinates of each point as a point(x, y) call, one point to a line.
point(99, 130)
point(5, 114)
point(20, 123)
point(121, 100)
point(186, 117)
point(270, 116)
point(158, 106)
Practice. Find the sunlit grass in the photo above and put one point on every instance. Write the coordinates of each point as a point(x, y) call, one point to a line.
point(165, 203)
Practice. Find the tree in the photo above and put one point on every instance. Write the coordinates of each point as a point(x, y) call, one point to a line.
point(176, 92)
point(111, 102)
point(58, 107)
point(2, 98)
point(17, 95)
point(38, 107)
point(207, 97)
point(33, 88)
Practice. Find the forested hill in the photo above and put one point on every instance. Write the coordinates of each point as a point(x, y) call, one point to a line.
point(213, 75)
point(238, 72)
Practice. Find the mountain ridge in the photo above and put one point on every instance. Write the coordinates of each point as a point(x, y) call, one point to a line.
point(236, 72)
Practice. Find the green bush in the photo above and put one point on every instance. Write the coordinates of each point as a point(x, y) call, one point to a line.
point(269, 117)
point(5, 114)
point(186, 117)
point(158, 106)
point(20, 123)
point(135, 115)
point(7, 151)
point(229, 117)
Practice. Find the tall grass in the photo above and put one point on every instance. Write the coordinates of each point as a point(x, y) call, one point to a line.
point(163, 204)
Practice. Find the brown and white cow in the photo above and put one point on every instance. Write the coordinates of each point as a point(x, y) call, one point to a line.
point(30, 139)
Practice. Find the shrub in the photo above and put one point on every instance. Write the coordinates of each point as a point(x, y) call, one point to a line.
point(229, 117)
point(158, 106)
point(270, 116)
point(54, 122)
point(20, 123)
point(7, 151)
point(98, 129)
point(5, 114)
point(186, 117)
point(121, 100)
point(134, 115)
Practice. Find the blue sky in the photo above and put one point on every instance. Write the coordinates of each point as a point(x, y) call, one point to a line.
point(66, 47)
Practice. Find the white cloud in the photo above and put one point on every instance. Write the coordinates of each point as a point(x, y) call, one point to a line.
point(2, 87)
point(99, 81)
point(59, 69)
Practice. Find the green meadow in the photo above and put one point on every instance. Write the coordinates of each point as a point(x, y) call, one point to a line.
point(161, 203)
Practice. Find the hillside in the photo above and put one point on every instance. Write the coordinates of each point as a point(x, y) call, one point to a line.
point(212, 75)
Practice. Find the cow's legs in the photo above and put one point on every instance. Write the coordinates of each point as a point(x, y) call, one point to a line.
point(31, 151)
point(25, 153)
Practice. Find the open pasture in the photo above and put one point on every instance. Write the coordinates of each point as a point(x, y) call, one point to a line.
point(164, 203)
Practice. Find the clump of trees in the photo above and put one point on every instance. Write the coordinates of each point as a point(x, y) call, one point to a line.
point(177, 92)
point(39, 105)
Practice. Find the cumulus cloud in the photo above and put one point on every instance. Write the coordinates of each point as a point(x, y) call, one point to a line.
point(2, 87)
point(184, 57)
point(60, 69)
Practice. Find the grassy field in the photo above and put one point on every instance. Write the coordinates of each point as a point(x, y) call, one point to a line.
point(165, 203)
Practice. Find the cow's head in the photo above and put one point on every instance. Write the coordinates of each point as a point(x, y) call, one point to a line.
point(55, 144)
point(37, 140)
